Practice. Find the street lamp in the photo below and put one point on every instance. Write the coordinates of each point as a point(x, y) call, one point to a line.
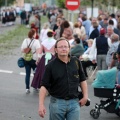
point(5, 3)
point(92, 1)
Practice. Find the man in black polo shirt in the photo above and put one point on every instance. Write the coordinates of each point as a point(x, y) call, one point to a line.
point(62, 78)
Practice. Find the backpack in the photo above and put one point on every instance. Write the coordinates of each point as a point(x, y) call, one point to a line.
point(28, 56)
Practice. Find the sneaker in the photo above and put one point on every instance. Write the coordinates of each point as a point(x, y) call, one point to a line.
point(27, 91)
point(35, 90)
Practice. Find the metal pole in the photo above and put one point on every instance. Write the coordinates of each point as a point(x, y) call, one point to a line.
point(5, 3)
point(113, 5)
point(41, 1)
point(72, 17)
point(92, 7)
point(0, 15)
point(52, 2)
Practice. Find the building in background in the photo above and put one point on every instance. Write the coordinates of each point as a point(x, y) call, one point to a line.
point(20, 3)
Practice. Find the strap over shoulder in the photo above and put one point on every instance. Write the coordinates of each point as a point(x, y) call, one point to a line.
point(30, 42)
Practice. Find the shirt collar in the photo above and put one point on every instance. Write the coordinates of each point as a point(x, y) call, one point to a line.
point(62, 61)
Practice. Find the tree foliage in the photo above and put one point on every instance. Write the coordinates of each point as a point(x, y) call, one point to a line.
point(27, 1)
point(61, 3)
point(3, 2)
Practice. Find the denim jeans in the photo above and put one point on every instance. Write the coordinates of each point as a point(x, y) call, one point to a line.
point(28, 66)
point(23, 21)
point(61, 109)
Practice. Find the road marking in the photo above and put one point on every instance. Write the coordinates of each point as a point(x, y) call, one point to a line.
point(6, 71)
point(10, 72)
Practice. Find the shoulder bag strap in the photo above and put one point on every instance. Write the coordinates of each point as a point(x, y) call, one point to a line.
point(30, 42)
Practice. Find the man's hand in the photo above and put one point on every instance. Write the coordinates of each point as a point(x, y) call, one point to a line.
point(83, 101)
point(42, 94)
point(42, 111)
point(85, 93)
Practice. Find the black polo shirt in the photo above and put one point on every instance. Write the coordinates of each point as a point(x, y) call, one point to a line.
point(61, 79)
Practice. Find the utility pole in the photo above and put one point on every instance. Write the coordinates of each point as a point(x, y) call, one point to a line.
point(5, 3)
point(92, 7)
point(52, 2)
point(41, 2)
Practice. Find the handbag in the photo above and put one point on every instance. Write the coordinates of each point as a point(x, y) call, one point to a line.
point(28, 56)
point(21, 62)
point(27, 50)
point(28, 53)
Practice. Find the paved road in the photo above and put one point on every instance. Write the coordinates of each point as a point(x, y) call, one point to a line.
point(16, 105)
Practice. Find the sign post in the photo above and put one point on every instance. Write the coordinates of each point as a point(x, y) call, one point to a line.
point(72, 5)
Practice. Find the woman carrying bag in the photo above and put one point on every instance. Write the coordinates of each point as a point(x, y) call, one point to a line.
point(30, 47)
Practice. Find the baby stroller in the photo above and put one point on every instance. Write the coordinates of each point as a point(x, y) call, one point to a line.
point(105, 87)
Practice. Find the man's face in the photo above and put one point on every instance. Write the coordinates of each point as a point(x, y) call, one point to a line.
point(109, 31)
point(94, 20)
point(62, 48)
point(80, 15)
point(105, 21)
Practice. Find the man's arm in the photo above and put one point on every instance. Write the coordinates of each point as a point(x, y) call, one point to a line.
point(113, 60)
point(84, 89)
point(42, 95)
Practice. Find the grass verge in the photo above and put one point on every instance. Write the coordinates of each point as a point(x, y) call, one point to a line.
point(13, 39)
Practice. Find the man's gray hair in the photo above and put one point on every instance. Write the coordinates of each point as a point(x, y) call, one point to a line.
point(114, 37)
point(110, 26)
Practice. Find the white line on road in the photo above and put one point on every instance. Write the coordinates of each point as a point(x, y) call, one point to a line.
point(6, 71)
point(10, 72)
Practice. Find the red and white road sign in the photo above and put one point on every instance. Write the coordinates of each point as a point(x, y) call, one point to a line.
point(72, 4)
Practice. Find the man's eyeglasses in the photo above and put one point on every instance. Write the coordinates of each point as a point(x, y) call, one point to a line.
point(61, 47)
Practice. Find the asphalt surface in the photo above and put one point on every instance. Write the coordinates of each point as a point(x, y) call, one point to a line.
point(16, 105)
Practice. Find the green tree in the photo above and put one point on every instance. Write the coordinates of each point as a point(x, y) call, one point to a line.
point(1, 3)
point(61, 3)
point(27, 1)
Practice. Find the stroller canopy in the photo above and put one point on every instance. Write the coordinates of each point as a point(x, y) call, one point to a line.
point(105, 78)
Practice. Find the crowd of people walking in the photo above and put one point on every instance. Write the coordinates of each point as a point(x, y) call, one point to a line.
point(93, 42)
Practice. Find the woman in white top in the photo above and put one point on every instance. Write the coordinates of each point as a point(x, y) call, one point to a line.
point(43, 33)
point(82, 28)
point(35, 47)
point(47, 49)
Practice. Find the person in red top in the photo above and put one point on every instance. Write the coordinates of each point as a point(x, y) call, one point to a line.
point(36, 29)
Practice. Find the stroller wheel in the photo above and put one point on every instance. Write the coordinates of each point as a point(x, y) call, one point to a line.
point(96, 115)
point(91, 112)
